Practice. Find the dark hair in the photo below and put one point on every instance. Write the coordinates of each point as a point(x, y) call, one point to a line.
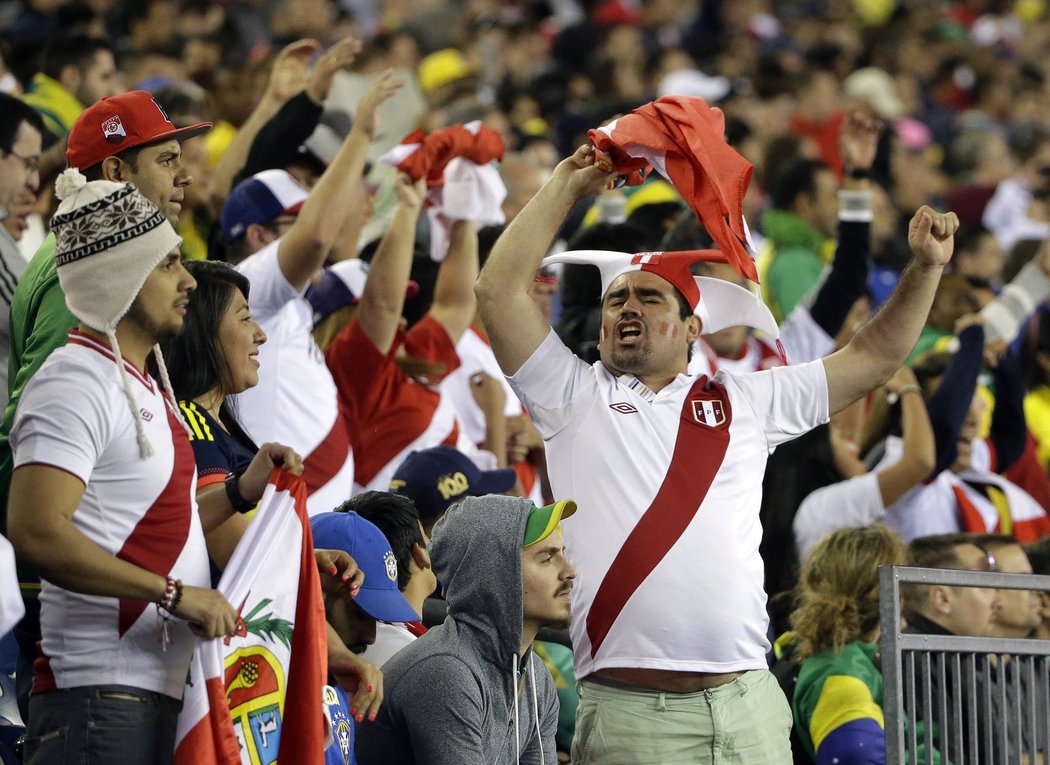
point(992, 542)
point(130, 156)
point(396, 516)
point(1039, 556)
point(13, 112)
point(799, 177)
point(194, 358)
point(76, 49)
point(937, 551)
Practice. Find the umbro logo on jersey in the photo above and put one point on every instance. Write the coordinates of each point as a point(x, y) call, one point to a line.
point(623, 407)
point(708, 412)
point(146, 414)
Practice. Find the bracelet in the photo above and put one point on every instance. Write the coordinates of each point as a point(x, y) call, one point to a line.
point(178, 596)
point(894, 396)
point(856, 173)
point(233, 493)
point(172, 594)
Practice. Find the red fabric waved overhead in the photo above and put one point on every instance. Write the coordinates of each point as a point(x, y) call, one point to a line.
point(688, 135)
point(440, 147)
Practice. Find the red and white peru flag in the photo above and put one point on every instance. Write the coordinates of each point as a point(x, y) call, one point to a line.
point(257, 697)
point(463, 181)
point(682, 138)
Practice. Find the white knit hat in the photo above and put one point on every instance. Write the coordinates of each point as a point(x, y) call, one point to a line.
point(108, 239)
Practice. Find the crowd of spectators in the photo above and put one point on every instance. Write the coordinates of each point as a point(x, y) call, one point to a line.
point(320, 148)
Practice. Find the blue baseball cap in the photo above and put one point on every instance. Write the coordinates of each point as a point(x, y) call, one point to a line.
point(440, 476)
point(365, 543)
point(260, 199)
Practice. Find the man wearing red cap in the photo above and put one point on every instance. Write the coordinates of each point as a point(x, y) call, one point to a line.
point(122, 138)
point(668, 610)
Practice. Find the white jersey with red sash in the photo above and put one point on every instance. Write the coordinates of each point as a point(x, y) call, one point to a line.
point(665, 542)
point(295, 402)
point(74, 416)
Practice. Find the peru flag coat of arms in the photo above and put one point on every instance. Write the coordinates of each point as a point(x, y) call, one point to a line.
point(255, 698)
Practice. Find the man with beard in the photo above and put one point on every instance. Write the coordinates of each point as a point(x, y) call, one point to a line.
point(355, 620)
point(471, 691)
point(125, 138)
point(669, 612)
point(104, 476)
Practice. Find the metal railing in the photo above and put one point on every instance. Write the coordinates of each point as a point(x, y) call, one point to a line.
point(962, 700)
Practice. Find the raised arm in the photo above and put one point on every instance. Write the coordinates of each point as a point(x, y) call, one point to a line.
point(286, 79)
point(920, 451)
point(379, 311)
point(881, 345)
point(514, 323)
point(454, 303)
point(303, 249)
point(277, 142)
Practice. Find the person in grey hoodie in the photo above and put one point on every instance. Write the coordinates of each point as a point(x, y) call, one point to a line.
point(471, 690)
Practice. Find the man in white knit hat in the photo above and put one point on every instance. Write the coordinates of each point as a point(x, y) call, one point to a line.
point(102, 496)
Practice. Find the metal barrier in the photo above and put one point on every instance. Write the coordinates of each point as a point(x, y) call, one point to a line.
point(962, 700)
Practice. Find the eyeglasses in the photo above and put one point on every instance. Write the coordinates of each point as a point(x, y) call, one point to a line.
point(31, 164)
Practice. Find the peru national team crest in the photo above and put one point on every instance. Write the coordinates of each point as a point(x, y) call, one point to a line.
point(709, 412)
point(255, 690)
point(113, 129)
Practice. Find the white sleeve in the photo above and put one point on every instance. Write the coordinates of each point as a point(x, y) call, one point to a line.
point(787, 401)
point(553, 384)
point(270, 290)
point(803, 339)
point(846, 504)
point(61, 421)
point(11, 606)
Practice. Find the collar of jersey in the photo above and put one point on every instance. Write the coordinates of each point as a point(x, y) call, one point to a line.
point(648, 394)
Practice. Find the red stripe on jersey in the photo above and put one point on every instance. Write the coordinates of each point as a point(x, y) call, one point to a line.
point(325, 461)
point(677, 502)
point(453, 437)
point(159, 538)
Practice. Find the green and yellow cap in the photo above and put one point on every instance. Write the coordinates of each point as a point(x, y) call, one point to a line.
point(544, 520)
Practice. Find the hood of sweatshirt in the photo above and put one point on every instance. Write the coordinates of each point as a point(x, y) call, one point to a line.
point(476, 554)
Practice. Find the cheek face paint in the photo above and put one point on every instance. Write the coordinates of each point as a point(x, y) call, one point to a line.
point(604, 333)
point(667, 329)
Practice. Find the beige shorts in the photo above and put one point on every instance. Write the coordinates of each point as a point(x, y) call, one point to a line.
point(745, 722)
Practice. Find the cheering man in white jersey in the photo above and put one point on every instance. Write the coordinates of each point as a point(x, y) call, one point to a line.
point(668, 609)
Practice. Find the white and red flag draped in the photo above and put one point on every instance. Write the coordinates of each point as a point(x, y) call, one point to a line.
point(682, 138)
point(257, 697)
point(463, 180)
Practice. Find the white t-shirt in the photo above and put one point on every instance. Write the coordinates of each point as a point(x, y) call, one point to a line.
point(668, 570)
point(475, 355)
point(390, 638)
point(74, 416)
point(295, 402)
point(854, 503)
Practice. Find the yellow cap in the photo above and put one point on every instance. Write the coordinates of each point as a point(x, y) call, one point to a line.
point(441, 68)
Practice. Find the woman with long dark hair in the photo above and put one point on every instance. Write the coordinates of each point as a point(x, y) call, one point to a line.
point(214, 358)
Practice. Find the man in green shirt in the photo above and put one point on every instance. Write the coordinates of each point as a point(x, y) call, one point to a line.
point(799, 228)
point(129, 138)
